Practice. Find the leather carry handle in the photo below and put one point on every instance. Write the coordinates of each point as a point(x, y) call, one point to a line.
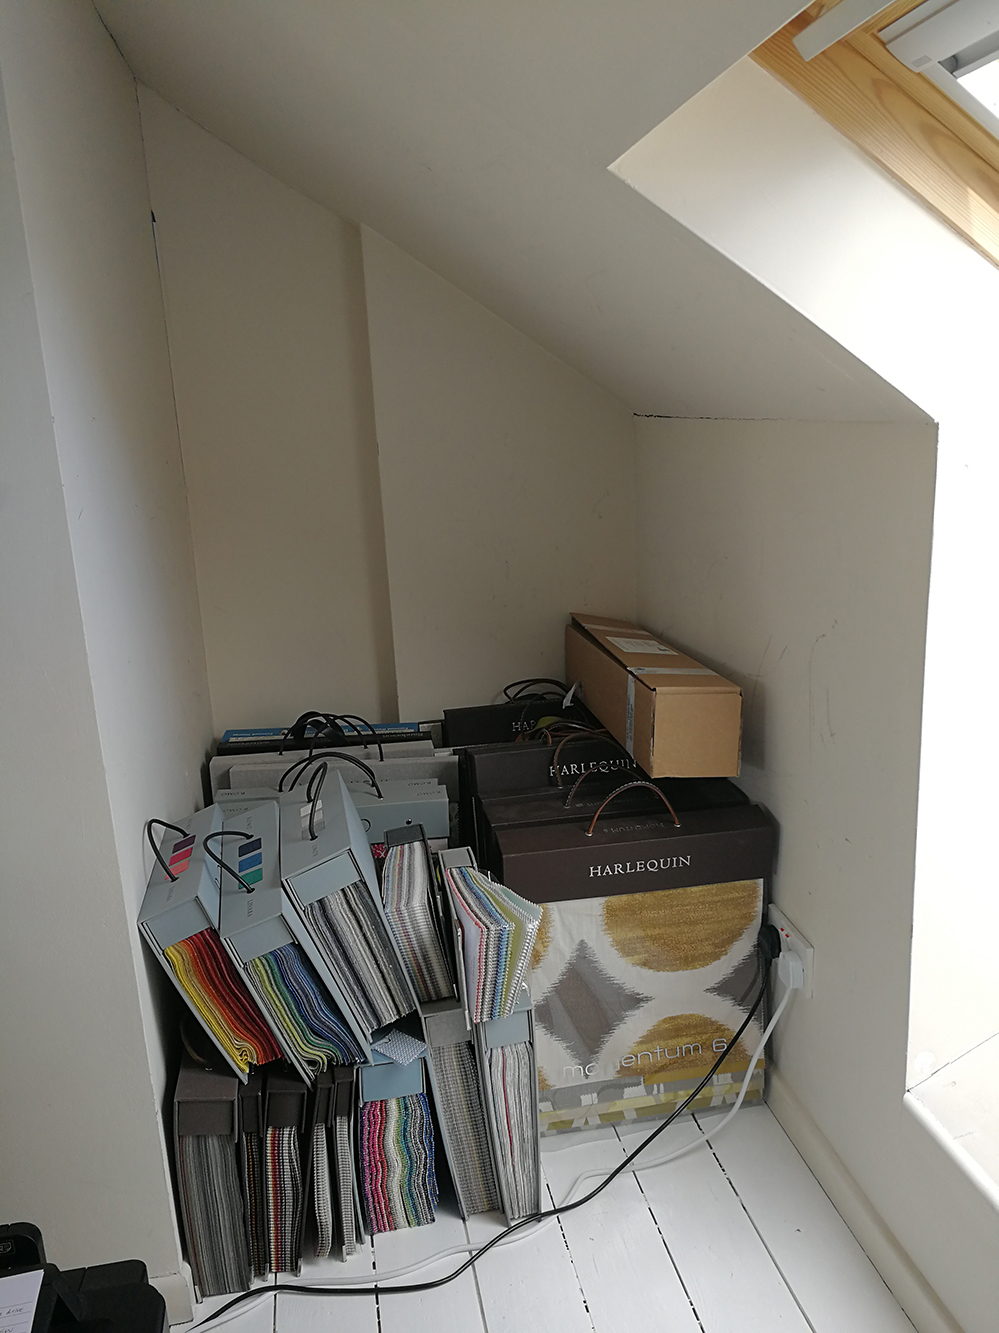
point(627, 787)
point(601, 735)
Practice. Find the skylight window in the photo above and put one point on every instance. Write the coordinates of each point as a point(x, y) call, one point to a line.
point(956, 44)
point(983, 84)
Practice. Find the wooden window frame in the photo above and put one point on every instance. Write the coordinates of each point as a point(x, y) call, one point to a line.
point(901, 119)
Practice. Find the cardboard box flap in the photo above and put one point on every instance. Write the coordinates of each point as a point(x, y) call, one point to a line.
point(652, 661)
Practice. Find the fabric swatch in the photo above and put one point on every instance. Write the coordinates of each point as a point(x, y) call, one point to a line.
point(400, 1047)
point(283, 1171)
point(287, 984)
point(463, 1125)
point(212, 1201)
point(254, 1205)
point(398, 1182)
point(209, 978)
point(321, 1199)
point(409, 909)
point(510, 1106)
point(353, 938)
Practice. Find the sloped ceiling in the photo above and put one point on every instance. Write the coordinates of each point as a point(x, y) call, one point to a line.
point(476, 135)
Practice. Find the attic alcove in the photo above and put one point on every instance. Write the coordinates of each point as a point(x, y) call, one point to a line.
point(273, 460)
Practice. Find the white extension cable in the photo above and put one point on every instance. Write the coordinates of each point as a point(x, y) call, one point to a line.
point(790, 971)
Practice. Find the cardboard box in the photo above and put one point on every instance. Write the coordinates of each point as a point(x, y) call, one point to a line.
point(676, 717)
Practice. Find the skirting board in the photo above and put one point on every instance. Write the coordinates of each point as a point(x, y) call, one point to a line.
point(178, 1292)
point(902, 1278)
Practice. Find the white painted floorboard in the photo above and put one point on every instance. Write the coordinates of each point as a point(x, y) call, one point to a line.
point(738, 1238)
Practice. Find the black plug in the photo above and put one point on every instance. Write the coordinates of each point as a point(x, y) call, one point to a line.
point(769, 943)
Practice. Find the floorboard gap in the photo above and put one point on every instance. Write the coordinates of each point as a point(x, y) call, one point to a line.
point(669, 1256)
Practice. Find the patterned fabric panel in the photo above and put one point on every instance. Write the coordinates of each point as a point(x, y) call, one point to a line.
point(636, 995)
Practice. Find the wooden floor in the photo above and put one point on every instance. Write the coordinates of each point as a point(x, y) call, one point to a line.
point(735, 1239)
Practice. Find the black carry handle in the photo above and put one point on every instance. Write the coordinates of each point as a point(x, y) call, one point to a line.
point(627, 787)
point(174, 828)
point(303, 764)
point(316, 780)
point(297, 730)
point(353, 719)
point(228, 833)
point(519, 686)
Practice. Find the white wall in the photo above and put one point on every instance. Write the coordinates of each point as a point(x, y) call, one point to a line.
point(105, 696)
point(755, 172)
point(507, 484)
point(264, 297)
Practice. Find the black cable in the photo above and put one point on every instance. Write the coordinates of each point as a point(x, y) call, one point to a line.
point(768, 944)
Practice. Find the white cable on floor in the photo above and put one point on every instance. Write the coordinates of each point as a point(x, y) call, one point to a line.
point(530, 1233)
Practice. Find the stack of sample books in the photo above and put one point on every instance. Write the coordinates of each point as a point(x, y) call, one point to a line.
point(384, 1042)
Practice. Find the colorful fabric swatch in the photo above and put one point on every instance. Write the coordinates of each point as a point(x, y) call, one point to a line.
point(283, 1172)
point(499, 929)
point(463, 1125)
point(287, 984)
point(398, 1182)
point(210, 980)
point(409, 909)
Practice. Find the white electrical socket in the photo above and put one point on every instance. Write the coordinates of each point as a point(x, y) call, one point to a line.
point(794, 939)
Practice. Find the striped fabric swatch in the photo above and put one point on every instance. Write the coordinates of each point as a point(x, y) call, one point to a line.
point(254, 1200)
point(283, 1174)
point(321, 1197)
point(406, 893)
point(287, 984)
point(210, 980)
point(459, 1106)
point(397, 1163)
point(213, 1212)
point(343, 1156)
point(509, 1076)
point(352, 937)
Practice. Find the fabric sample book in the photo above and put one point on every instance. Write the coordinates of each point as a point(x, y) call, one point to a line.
point(398, 1181)
point(179, 919)
point(498, 929)
point(211, 1197)
point(408, 894)
point(285, 1108)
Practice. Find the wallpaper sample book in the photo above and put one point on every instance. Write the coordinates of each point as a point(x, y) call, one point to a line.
point(407, 892)
point(211, 1197)
point(178, 918)
point(645, 962)
point(498, 929)
point(398, 1182)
